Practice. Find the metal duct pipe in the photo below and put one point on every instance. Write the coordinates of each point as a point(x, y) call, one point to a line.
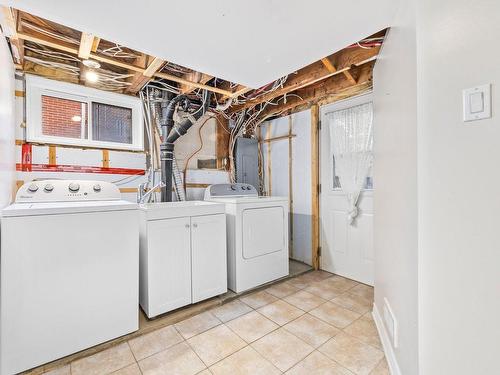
point(167, 146)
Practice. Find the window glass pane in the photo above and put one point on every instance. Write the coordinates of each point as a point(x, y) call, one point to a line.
point(64, 118)
point(336, 179)
point(111, 123)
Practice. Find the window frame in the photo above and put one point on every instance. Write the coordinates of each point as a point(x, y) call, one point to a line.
point(36, 87)
point(339, 106)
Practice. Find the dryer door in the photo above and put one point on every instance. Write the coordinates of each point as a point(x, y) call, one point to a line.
point(263, 231)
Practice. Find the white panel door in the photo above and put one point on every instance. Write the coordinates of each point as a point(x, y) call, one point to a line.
point(346, 250)
point(208, 256)
point(169, 264)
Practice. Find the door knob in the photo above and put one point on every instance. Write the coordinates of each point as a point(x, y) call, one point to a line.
point(187, 226)
point(195, 225)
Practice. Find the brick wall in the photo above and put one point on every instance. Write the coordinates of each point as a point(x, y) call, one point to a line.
point(58, 114)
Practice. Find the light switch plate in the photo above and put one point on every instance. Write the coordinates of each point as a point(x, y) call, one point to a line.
point(477, 103)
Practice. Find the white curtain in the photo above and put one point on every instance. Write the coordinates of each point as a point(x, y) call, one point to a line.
point(351, 140)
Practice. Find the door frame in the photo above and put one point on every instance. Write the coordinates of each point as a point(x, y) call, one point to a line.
point(335, 106)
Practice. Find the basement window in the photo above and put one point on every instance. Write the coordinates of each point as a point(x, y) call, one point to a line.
point(69, 114)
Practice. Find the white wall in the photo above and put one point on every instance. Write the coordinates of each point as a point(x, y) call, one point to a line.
point(395, 180)
point(301, 175)
point(459, 241)
point(7, 145)
point(190, 142)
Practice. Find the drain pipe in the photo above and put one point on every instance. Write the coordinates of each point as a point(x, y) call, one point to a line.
point(171, 134)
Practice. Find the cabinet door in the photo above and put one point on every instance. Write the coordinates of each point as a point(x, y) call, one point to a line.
point(208, 259)
point(169, 264)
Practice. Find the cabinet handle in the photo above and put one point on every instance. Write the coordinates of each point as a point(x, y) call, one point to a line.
point(195, 225)
point(187, 226)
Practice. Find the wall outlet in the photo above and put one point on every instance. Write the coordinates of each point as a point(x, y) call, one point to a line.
point(391, 324)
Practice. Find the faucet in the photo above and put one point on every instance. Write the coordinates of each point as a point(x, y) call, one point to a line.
point(143, 194)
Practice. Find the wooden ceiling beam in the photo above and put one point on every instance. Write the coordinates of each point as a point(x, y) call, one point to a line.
point(9, 27)
point(328, 65)
point(334, 85)
point(349, 76)
point(139, 80)
point(86, 43)
point(65, 48)
point(241, 91)
point(180, 80)
point(153, 67)
point(95, 44)
point(339, 62)
point(194, 77)
point(332, 69)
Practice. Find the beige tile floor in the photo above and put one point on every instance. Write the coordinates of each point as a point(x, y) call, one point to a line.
point(316, 323)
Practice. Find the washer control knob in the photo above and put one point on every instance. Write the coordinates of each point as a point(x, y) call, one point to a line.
point(97, 188)
point(48, 188)
point(233, 187)
point(74, 187)
point(32, 188)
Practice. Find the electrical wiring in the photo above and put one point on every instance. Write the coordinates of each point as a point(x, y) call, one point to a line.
point(52, 54)
point(114, 80)
point(176, 68)
point(118, 51)
point(164, 86)
point(205, 97)
point(222, 125)
point(131, 178)
point(55, 35)
point(69, 69)
point(184, 172)
point(108, 80)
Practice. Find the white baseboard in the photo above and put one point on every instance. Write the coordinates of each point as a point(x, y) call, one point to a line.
point(386, 342)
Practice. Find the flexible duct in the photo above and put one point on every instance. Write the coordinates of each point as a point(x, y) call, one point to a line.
point(171, 134)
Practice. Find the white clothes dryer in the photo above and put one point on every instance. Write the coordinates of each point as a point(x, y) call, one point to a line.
point(257, 235)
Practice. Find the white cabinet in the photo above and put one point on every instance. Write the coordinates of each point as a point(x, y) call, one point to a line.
point(208, 256)
point(182, 259)
point(168, 265)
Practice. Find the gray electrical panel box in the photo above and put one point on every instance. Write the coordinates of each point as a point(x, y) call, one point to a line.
point(247, 161)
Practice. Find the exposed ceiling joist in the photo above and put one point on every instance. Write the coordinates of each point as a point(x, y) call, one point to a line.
point(95, 44)
point(9, 27)
point(138, 81)
point(194, 77)
point(328, 65)
point(349, 76)
point(336, 84)
point(241, 91)
point(171, 77)
point(86, 42)
point(332, 69)
point(316, 72)
point(110, 61)
point(153, 67)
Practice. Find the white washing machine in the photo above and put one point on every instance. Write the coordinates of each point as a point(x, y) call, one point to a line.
point(69, 271)
point(257, 235)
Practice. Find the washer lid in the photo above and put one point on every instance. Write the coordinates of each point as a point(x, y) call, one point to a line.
point(248, 199)
point(54, 208)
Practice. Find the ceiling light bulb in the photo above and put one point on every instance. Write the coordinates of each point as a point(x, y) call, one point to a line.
point(91, 76)
point(91, 64)
point(76, 118)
